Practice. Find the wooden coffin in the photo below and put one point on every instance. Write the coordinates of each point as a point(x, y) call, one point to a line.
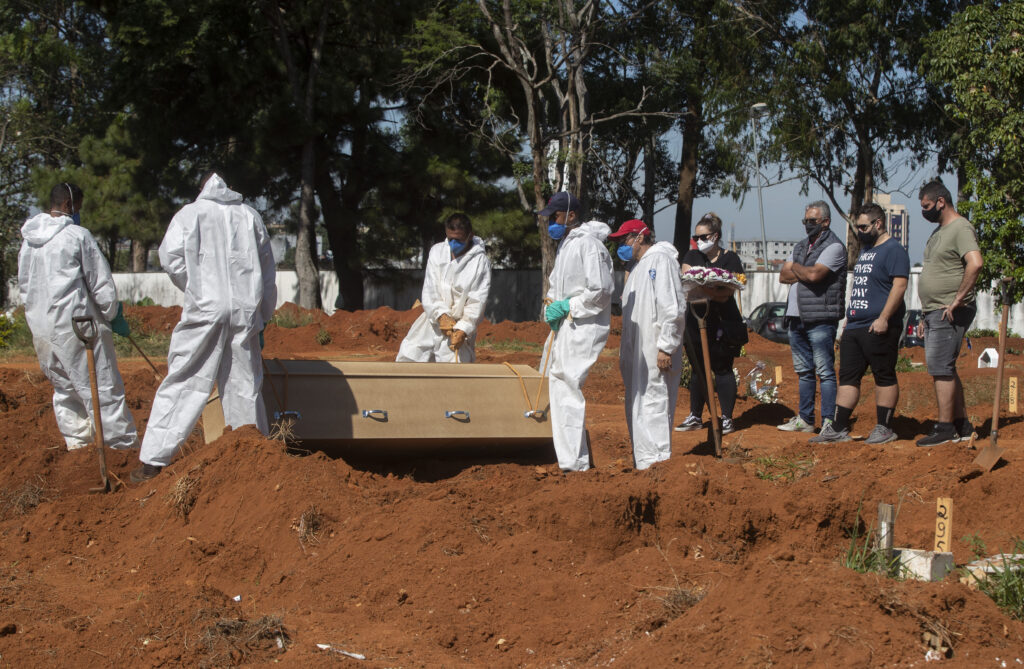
point(339, 402)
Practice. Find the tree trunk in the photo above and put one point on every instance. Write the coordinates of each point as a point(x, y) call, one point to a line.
point(306, 269)
point(140, 251)
point(340, 219)
point(692, 132)
point(650, 178)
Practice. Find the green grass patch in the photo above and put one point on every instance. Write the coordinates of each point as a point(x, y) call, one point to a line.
point(770, 468)
point(863, 555)
point(511, 346)
point(1005, 586)
point(286, 318)
point(16, 337)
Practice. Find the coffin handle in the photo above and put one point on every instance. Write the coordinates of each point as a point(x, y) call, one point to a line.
point(375, 413)
point(457, 415)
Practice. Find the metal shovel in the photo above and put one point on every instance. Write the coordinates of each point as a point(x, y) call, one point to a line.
point(85, 330)
point(989, 456)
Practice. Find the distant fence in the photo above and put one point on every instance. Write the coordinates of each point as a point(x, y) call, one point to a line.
point(515, 294)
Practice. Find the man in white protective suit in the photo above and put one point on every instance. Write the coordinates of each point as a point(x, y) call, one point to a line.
point(217, 251)
point(651, 348)
point(579, 314)
point(62, 274)
point(455, 288)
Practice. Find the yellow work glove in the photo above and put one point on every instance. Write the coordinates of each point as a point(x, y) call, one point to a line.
point(456, 339)
point(446, 323)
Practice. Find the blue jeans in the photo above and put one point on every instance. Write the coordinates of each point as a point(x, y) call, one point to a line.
point(814, 355)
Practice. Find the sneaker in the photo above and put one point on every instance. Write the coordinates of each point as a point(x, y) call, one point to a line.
point(796, 424)
point(830, 435)
point(691, 423)
point(966, 432)
point(880, 435)
point(727, 425)
point(938, 437)
point(144, 472)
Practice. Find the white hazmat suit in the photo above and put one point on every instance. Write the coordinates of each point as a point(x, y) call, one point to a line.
point(454, 286)
point(217, 251)
point(62, 274)
point(583, 274)
point(653, 313)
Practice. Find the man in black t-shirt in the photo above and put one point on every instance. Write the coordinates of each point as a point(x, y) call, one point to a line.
point(874, 319)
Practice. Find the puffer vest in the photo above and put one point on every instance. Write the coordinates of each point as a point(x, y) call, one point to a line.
point(825, 301)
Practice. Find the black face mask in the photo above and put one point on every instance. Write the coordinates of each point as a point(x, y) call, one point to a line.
point(813, 229)
point(931, 215)
point(867, 239)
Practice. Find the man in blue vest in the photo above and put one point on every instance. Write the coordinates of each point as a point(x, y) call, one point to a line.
point(816, 272)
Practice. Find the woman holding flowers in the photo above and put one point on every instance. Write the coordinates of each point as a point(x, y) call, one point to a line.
point(727, 332)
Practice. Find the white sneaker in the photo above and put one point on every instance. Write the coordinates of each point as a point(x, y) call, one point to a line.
point(691, 423)
point(796, 424)
point(727, 425)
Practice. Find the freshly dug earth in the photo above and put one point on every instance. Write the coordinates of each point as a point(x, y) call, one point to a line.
point(242, 552)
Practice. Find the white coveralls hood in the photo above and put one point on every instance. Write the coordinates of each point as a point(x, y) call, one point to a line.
point(63, 274)
point(454, 286)
point(583, 274)
point(217, 251)
point(653, 314)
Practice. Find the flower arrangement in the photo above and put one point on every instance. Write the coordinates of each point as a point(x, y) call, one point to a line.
point(703, 277)
point(761, 387)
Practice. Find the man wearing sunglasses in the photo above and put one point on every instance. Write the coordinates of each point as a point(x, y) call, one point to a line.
point(816, 272)
point(874, 320)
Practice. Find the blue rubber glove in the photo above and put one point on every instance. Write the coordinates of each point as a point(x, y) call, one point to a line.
point(261, 339)
point(555, 313)
point(119, 325)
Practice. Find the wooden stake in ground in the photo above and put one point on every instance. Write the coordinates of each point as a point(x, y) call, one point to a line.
point(1013, 394)
point(778, 375)
point(943, 524)
point(989, 456)
point(886, 522)
point(716, 429)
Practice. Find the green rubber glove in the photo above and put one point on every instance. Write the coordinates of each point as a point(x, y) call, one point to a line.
point(261, 339)
point(119, 325)
point(555, 313)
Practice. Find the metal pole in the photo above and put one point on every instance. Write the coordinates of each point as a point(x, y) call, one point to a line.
point(756, 112)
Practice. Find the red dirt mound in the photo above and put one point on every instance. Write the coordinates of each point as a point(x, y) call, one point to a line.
point(242, 552)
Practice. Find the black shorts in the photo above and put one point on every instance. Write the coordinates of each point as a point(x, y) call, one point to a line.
point(860, 348)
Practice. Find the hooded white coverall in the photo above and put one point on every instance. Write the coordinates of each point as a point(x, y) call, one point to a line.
point(217, 251)
point(62, 274)
point(454, 286)
point(653, 313)
point(582, 273)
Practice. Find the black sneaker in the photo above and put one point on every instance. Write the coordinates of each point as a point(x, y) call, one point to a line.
point(939, 436)
point(965, 431)
point(144, 472)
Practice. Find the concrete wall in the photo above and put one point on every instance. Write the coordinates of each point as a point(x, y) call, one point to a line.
point(515, 294)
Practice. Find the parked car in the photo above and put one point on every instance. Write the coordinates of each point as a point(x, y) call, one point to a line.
point(909, 336)
point(769, 321)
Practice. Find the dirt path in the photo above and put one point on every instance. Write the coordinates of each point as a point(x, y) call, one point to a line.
point(491, 560)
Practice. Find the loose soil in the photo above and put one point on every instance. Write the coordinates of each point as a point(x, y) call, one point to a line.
point(243, 552)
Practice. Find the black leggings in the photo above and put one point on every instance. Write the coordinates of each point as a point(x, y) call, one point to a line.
point(721, 367)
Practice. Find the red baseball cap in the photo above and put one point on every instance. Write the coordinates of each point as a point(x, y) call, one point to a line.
point(631, 227)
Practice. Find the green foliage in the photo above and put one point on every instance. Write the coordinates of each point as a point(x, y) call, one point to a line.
point(905, 364)
point(145, 302)
point(976, 544)
point(1005, 586)
point(323, 337)
point(979, 61)
point(6, 330)
point(864, 557)
point(18, 339)
point(990, 332)
point(511, 346)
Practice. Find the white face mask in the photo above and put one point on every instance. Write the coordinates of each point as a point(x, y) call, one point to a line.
point(705, 246)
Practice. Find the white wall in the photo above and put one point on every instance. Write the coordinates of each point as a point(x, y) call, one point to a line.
point(515, 293)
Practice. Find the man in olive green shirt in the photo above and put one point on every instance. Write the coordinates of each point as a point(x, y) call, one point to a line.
point(952, 262)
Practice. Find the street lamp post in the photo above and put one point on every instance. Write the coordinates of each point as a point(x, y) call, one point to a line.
point(757, 112)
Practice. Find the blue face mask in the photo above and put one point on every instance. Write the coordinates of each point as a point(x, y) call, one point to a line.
point(77, 218)
point(625, 253)
point(456, 246)
point(556, 231)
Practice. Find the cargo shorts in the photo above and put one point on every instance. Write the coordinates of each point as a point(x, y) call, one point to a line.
point(943, 338)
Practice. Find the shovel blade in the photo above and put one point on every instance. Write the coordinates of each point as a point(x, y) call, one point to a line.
point(988, 457)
